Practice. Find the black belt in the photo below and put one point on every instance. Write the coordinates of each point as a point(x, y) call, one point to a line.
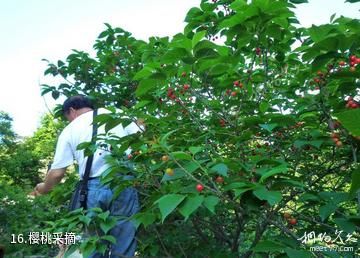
point(91, 178)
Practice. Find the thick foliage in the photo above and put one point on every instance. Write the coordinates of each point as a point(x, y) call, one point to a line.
point(252, 129)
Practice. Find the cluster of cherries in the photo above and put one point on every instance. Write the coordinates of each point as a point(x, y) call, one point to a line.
point(237, 84)
point(335, 137)
point(291, 220)
point(351, 103)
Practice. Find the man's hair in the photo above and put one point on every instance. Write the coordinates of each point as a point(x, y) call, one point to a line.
point(76, 102)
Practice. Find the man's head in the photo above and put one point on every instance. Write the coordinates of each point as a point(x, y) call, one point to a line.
point(75, 106)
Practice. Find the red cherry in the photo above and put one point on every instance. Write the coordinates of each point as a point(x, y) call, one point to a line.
point(357, 60)
point(233, 93)
point(317, 80)
point(236, 83)
point(341, 63)
point(258, 51)
point(130, 156)
point(222, 122)
point(352, 58)
point(339, 143)
point(354, 105)
point(334, 135)
point(186, 86)
point(352, 63)
point(199, 187)
point(320, 73)
point(292, 221)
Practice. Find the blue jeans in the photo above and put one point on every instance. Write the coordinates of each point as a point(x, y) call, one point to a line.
point(126, 204)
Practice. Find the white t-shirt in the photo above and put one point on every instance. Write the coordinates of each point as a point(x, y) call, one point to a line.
point(79, 131)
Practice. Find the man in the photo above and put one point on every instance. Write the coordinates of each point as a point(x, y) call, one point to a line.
point(78, 110)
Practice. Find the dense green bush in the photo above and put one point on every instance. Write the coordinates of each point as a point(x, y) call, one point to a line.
point(249, 145)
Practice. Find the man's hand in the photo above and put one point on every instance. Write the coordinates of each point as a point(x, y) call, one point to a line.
point(38, 190)
point(53, 177)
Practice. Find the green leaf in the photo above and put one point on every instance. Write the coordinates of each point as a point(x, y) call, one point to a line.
point(326, 210)
point(219, 69)
point(168, 203)
point(350, 120)
point(272, 197)
point(191, 204)
point(210, 202)
point(220, 169)
point(345, 225)
point(70, 251)
point(236, 185)
point(85, 219)
point(164, 137)
point(145, 86)
point(264, 106)
point(178, 173)
point(108, 224)
point(193, 13)
point(142, 104)
point(195, 150)
point(197, 37)
point(145, 72)
point(268, 246)
point(268, 127)
point(292, 253)
point(355, 182)
point(273, 171)
point(55, 94)
point(180, 155)
point(109, 238)
point(88, 249)
point(104, 215)
point(174, 55)
point(144, 218)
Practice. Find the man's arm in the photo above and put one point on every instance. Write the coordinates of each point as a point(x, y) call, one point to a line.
point(53, 177)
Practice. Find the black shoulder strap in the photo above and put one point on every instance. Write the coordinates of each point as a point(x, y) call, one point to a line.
point(84, 189)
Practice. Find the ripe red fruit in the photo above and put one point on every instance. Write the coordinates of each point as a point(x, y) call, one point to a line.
point(233, 93)
point(292, 221)
point(352, 63)
point(199, 187)
point(219, 179)
point(317, 80)
point(341, 63)
point(130, 156)
point(258, 51)
point(236, 83)
point(357, 60)
point(354, 105)
point(222, 122)
point(186, 86)
point(352, 58)
point(320, 73)
point(334, 135)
